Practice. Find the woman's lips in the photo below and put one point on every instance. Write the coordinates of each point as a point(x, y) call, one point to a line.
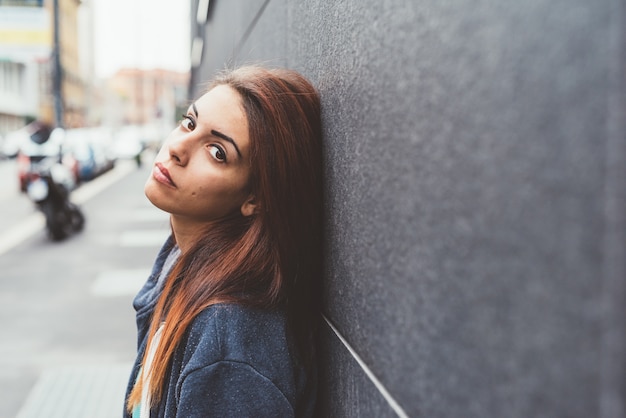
point(160, 173)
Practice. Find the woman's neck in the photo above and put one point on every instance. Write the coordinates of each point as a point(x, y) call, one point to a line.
point(186, 233)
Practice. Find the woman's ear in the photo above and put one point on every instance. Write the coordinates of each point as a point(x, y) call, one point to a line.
point(249, 206)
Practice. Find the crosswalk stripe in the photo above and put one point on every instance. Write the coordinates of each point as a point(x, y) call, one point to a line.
point(144, 238)
point(21, 232)
point(119, 282)
point(95, 391)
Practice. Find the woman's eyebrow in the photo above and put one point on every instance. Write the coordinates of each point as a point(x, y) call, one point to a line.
point(218, 133)
point(227, 138)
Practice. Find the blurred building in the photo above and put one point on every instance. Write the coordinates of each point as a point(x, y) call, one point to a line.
point(26, 46)
point(73, 84)
point(145, 97)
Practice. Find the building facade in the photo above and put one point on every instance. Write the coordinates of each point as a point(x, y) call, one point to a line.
point(152, 97)
point(73, 84)
point(26, 48)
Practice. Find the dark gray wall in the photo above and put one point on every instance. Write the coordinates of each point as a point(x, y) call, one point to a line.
point(475, 168)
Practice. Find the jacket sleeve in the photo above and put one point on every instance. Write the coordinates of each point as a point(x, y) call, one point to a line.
point(230, 389)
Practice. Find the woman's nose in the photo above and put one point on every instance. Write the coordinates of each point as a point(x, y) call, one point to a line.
point(178, 148)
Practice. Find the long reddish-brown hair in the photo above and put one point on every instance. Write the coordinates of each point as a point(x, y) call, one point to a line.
point(272, 259)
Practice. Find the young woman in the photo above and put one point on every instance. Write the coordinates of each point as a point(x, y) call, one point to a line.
point(227, 320)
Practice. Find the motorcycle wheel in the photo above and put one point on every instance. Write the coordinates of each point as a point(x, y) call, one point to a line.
point(56, 222)
point(77, 219)
point(57, 232)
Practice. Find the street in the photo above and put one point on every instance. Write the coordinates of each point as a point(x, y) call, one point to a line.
point(66, 316)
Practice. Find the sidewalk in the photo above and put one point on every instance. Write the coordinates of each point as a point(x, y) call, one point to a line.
point(69, 335)
point(78, 391)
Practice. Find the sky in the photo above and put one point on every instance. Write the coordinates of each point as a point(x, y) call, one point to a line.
point(140, 33)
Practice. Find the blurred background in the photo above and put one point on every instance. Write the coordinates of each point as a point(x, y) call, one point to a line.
point(93, 87)
point(110, 64)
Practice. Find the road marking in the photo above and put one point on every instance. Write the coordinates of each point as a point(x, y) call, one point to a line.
point(144, 238)
point(149, 214)
point(95, 186)
point(78, 391)
point(119, 282)
point(36, 222)
point(22, 231)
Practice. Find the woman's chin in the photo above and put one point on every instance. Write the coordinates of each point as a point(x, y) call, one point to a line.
point(153, 195)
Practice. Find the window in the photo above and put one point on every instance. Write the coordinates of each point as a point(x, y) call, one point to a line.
point(26, 3)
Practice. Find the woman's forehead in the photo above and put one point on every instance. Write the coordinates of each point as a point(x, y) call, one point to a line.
point(222, 96)
point(221, 107)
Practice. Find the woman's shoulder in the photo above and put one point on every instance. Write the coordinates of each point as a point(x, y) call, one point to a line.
point(243, 337)
point(250, 348)
point(235, 313)
point(227, 319)
point(234, 332)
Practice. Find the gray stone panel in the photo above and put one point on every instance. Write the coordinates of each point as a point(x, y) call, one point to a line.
point(475, 166)
point(223, 34)
point(268, 42)
point(345, 391)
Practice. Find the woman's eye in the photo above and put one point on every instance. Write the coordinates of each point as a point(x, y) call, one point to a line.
point(188, 123)
point(218, 153)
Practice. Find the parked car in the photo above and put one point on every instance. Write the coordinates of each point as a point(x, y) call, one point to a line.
point(129, 143)
point(89, 147)
point(84, 154)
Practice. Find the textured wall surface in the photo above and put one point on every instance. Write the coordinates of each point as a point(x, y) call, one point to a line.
point(475, 169)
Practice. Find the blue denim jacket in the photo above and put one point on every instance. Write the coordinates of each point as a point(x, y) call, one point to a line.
point(234, 361)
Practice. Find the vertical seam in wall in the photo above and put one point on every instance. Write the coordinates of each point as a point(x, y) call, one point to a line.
point(287, 51)
point(613, 363)
point(248, 31)
point(383, 391)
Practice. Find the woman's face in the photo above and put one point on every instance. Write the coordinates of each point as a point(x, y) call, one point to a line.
point(201, 173)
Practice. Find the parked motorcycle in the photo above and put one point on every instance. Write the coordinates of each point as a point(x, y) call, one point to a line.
point(47, 187)
point(48, 184)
